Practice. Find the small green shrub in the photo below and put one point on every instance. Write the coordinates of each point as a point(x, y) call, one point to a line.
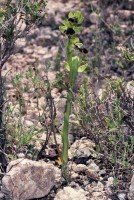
point(16, 19)
point(108, 121)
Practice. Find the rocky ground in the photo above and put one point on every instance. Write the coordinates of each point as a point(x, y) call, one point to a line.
point(44, 46)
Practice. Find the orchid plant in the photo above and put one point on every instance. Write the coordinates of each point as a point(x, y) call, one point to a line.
point(74, 64)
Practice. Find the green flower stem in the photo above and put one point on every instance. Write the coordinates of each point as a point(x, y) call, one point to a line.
point(74, 65)
point(69, 51)
point(72, 79)
point(65, 129)
point(67, 110)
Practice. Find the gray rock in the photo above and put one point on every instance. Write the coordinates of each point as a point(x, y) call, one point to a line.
point(82, 148)
point(122, 196)
point(109, 183)
point(131, 189)
point(130, 89)
point(79, 168)
point(69, 193)
point(26, 179)
point(94, 18)
point(125, 14)
point(29, 123)
point(20, 155)
point(93, 171)
point(96, 191)
point(1, 195)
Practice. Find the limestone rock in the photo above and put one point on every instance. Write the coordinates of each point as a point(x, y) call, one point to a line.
point(82, 148)
point(125, 14)
point(29, 123)
point(122, 196)
point(131, 189)
point(93, 170)
point(69, 193)
point(20, 155)
point(109, 183)
point(96, 191)
point(1, 195)
point(79, 168)
point(26, 179)
point(130, 88)
point(94, 18)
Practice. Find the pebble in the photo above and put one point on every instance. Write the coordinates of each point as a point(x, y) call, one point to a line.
point(29, 123)
point(94, 18)
point(82, 148)
point(1, 195)
point(122, 196)
point(20, 155)
point(68, 193)
point(79, 168)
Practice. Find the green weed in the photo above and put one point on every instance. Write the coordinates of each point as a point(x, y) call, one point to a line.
point(108, 121)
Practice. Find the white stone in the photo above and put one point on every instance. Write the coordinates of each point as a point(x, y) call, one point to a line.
point(96, 191)
point(51, 75)
point(37, 145)
point(28, 50)
point(131, 189)
point(130, 88)
point(93, 167)
point(21, 43)
point(1, 195)
point(28, 123)
point(82, 148)
point(74, 175)
point(54, 92)
point(79, 168)
point(110, 181)
point(26, 179)
point(68, 193)
point(94, 18)
point(98, 196)
point(20, 155)
point(122, 196)
point(99, 187)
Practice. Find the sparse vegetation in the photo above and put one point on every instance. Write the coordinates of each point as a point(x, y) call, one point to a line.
point(16, 19)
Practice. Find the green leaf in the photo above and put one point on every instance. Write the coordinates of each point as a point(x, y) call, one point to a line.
point(70, 15)
point(76, 58)
point(2, 13)
point(66, 23)
point(82, 68)
point(75, 40)
point(132, 139)
point(62, 28)
point(74, 70)
point(132, 83)
point(79, 16)
point(113, 129)
point(78, 44)
point(1, 19)
point(77, 29)
point(67, 66)
point(126, 144)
